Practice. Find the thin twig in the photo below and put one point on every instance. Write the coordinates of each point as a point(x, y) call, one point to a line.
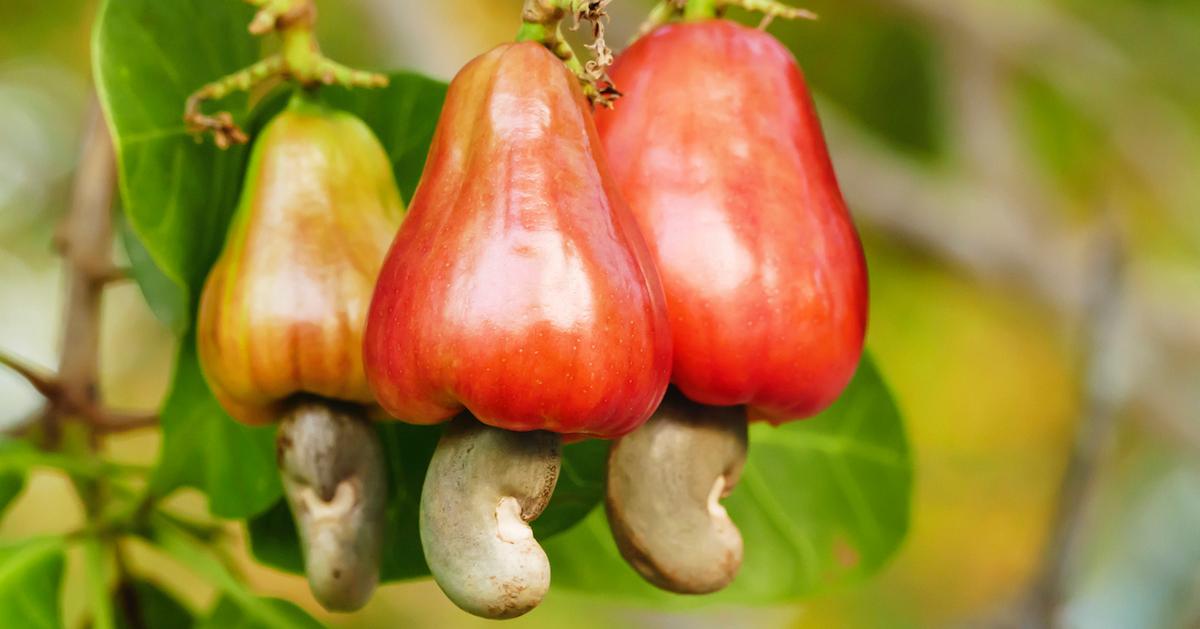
point(44, 384)
point(107, 422)
point(1103, 401)
point(84, 239)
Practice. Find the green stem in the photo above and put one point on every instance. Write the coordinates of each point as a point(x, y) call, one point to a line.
point(541, 22)
point(299, 60)
point(551, 37)
point(696, 10)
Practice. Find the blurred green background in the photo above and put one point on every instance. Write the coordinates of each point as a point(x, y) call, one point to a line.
point(1001, 157)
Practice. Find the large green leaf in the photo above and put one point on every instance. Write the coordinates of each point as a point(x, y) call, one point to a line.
point(228, 614)
point(205, 448)
point(821, 501)
point(238, 606)
point(30, 583)
point(880, 70)
point(580, 487)
point(168, 300)
point(148, 57)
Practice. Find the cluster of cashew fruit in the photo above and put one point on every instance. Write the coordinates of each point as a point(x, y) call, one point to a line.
point(558, 268)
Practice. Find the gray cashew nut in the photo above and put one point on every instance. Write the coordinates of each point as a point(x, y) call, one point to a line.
point(335, 481)
point(665, 482)
point(483, 488)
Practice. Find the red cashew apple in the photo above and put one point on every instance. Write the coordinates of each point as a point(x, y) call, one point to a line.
point(717, 148)
point(519, 290)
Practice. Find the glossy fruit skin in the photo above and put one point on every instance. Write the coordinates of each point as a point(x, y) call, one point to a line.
point(283, 309)
point(717, 149)
point(519, 287)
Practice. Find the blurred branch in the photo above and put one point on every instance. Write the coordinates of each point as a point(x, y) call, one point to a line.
point(1102, 403)
point(44, 384)
point(84, 239)
point(1102, 80)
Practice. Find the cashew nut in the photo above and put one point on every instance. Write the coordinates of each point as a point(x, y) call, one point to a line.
point(665, 482)
point(483, 488)
point(335, 481)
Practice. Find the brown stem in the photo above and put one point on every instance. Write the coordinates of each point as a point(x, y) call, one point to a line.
point(1102, 405)
point(46, 385)
point(84, 239)
point(541, 22)
point(106, 422)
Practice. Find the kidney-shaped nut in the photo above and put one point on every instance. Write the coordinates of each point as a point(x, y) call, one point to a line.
point(483, 488)
point(665, 482)
point(335, 480)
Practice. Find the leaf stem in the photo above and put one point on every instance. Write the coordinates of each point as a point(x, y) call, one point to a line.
point(299, 60)
point(700, 10)
point(697, 10)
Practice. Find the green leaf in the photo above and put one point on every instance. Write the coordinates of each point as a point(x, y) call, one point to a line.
point(228, 614)
point(273, 538)
point(403, 116)
point(580, 488)
point(12, 473)
point(168, 300)
point(882, 71)
point(154, 606)
point(203, 447)
point(239, 607)
point(97, 556)
point(11, 485)
point(18, 456)
point(30, 583)
point(149, 56)
point(821, 502)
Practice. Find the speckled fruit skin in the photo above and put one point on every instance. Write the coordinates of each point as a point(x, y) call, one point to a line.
point(717, 149)
point(519, 287)
point(283, 309)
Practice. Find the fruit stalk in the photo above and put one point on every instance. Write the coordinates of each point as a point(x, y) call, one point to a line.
point(299, 60)
point(541, 22)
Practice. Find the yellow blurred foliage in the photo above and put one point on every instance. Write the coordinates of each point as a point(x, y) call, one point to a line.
point(985, 381)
